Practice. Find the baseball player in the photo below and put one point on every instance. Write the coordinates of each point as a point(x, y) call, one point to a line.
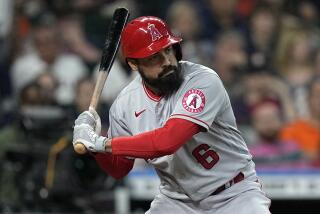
point(177, 116)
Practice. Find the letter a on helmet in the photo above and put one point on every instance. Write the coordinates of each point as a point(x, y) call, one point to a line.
point(155, 34)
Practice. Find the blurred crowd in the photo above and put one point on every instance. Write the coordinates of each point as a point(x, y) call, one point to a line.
point(267, 53)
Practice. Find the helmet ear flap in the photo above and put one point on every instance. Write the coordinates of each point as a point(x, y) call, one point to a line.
point(178, 51)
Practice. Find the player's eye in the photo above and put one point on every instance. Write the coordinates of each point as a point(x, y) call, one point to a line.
point(154, 58)
point(159, 57)
point(168, 50)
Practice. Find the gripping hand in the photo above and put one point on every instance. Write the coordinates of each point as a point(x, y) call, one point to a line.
point(87, 130)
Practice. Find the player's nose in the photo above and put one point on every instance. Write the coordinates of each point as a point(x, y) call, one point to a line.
point(165, 60)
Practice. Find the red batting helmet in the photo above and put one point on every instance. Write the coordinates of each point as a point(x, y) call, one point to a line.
point(147, 35)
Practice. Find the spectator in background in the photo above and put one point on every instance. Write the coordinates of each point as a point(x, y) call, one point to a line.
point(294, 51)
point(255, 89)
point(75, 41)
point(306, 131)
point(230, 59)
point(6, 30)
point(294, 61)
point(38, 113)
point(84, 25)
point(48, 87)
point(268, 149)
point(6, 104)
point(40, 92)
point(308, 13)
point(6, 20)
point(261, 38)
point(219, 16)
point(184, 20)
point(48, 55)
point(30, 96)
point(54, 154)
point(316, 62)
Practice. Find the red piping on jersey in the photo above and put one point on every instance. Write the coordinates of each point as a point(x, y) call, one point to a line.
point(156, 143)
point(151, 94)
point(190, 117)
point(116, 166)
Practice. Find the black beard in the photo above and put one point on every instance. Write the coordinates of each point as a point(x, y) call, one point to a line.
point(165, 84)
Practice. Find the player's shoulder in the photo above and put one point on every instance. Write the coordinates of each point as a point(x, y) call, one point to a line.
point(193, 71)
point(131, 90)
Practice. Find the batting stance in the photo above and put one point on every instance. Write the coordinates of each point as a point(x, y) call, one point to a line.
point(177, 116)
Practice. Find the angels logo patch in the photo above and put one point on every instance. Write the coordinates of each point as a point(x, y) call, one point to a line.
point(154, 32)
point(193, 101)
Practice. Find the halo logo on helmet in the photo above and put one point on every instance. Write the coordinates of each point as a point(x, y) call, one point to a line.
point(147, 35)
point(155, 34)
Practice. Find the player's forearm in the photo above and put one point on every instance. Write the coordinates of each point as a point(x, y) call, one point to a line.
point(155, 143)
point(116, 166)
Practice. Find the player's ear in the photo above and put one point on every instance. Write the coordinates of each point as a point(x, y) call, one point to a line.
point(133, 64)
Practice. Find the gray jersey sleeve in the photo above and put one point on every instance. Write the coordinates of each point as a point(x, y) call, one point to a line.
point(117, 125)
point(201, 99)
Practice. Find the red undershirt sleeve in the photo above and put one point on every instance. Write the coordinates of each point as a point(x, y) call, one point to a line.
point(156, 143)
point(116, 166)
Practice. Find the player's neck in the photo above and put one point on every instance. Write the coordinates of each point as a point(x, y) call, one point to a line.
point(153, 92)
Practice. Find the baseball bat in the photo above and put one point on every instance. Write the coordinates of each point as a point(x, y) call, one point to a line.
point(109, 51)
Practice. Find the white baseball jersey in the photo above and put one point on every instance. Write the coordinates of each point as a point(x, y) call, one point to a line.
point(210, 158)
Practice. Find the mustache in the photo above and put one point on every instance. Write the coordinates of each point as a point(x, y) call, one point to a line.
point(167, 70)
point(167, 82)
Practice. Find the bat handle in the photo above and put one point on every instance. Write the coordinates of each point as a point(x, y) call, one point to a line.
point(79, 148)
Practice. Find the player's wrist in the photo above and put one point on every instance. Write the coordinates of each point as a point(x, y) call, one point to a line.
point(108, 147)
point(100, 144)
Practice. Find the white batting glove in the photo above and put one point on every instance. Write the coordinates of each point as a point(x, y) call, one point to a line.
point(87, 130)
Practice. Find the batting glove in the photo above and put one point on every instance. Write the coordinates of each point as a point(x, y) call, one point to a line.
point(87, 130)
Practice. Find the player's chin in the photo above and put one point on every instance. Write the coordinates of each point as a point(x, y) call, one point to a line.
point(169, 84)
point(171, 79)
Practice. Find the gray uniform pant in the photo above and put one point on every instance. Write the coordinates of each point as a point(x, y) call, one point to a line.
point(245, 197)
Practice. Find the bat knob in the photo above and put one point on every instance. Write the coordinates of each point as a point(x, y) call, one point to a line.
point(80, 148)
